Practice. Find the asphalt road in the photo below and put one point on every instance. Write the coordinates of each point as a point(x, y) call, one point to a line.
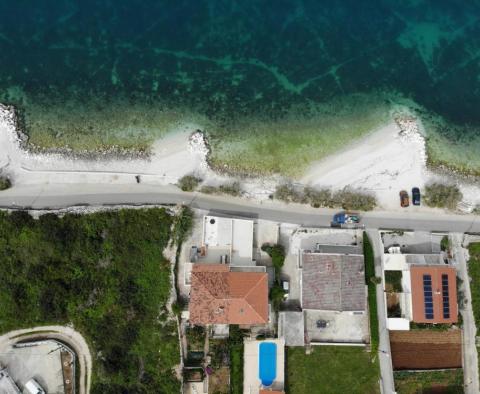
point(69, 195)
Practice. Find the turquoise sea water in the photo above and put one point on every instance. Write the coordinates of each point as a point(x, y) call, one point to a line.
point(232, 59)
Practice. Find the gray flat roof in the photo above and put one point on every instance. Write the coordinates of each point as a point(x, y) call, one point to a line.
point(340, 249)
point(424, 259)
point(333, 282)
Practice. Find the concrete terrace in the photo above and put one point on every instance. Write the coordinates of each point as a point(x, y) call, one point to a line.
point(341, 327)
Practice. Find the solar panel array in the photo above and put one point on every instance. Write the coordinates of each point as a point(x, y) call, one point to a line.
point(446, 300)
point(428, 296)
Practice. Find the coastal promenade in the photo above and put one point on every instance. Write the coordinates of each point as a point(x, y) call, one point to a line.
point(61, 196)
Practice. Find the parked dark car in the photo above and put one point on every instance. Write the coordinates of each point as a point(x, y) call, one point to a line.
point(415, 196)
point(404, 200)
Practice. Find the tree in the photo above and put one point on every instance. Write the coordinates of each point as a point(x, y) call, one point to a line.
point(276, 296)
point(277, 254)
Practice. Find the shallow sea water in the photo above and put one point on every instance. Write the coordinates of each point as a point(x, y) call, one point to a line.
point(127, 70)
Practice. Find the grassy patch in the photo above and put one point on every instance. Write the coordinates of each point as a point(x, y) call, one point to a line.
point(106, 274)
point(447, 382)
point(331, 369)
point(370, 279)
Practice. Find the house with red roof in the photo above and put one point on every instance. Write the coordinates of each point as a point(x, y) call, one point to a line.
point(434, 294)
point(427, 293)
point(220, 296)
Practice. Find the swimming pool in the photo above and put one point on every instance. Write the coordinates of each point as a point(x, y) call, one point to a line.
point(267, 362)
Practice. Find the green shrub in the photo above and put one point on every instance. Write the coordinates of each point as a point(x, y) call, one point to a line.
point(394, 278)
point(445, 243)
point(354, 200)
point(232, 189)
point(289, 193)
point(321, 198)
point(442, 196)
point(277, 253)
point(276, 296)
point(177, 308)
point(182, 225)
point(207, 189)
point(430, 326)
point(318, 198)
point(189, 183)
point(5, 183)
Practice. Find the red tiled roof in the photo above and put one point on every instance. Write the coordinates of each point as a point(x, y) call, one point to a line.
point(418, 299)
point(219, 296)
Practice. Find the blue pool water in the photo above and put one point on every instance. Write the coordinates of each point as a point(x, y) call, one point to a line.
point(267, 364)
